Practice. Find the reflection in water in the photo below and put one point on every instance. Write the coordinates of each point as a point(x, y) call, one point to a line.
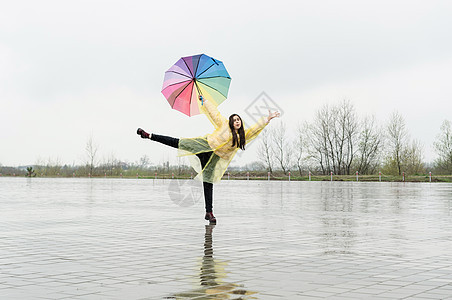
point(338, 225)
point(211, 274)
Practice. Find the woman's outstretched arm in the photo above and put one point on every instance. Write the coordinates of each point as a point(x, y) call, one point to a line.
point(253, 131)
point(272, 115)
point(212, 113)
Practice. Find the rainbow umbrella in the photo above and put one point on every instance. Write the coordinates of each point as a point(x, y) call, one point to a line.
point(193, 76)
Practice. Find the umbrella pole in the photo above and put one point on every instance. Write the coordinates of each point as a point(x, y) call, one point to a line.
point(199, 92)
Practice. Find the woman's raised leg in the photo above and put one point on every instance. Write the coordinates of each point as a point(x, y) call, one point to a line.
point(167, 140)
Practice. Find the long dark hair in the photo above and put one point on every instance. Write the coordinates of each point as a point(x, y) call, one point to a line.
point(240, 144)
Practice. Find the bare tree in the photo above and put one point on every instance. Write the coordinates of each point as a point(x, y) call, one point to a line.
point(397, 137)
point(282, 147)
point(318, 139)
point(370, 140)
point(443, 147)
point(53, 167)
point(265, 149)
point(110, 165)
point(333, 137)
point(300, 147)
point(181, 165)
point(39, 166)
point(91, 152)
point(144, 162)
point(413, 158)
point(348, 125)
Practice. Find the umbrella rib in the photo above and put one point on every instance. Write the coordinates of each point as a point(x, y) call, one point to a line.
point(197, 88)
point(214, 77)
point(180, 93)
point(188, 68)
point(205, 70)
point(177, 83)
point(178, 73)
point(196, 69)
point(213, 89)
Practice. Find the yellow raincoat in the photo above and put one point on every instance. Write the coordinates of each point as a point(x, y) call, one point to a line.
point(220, 142)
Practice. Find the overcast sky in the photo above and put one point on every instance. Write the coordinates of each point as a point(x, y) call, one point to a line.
point(74, 69)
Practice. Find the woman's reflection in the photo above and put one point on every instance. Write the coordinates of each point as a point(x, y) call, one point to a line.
point(211, 274)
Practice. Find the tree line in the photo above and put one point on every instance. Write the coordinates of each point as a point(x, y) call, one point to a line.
point(95, 166)
point(107, 167)
point(338, 140)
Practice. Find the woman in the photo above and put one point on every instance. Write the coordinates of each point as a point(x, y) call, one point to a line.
point(214, 151)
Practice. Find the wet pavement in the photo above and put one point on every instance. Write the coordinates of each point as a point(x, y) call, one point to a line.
point(147, 239)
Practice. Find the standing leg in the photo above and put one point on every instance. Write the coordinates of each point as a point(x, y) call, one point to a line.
point(208, 189)
point(208, 196)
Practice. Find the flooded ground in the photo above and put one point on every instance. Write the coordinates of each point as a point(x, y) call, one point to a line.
point(147, 239)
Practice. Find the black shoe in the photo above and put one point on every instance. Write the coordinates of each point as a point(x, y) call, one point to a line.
point(143, 133)
point(210, 217)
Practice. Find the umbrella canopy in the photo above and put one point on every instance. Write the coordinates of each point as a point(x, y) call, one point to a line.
point(193, 76)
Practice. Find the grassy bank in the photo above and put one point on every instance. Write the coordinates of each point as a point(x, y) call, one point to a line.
point(280, 177)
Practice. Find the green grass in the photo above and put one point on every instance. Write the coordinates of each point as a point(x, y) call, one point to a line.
point(361, 178)
point(281, 177)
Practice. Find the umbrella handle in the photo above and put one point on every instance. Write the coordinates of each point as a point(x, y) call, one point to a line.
point(200, 95)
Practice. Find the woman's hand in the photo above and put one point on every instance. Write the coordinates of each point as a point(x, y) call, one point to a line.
point(202, 99)
point(272, 115)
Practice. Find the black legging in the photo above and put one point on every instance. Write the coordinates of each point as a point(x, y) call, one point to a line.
point(203, 157)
